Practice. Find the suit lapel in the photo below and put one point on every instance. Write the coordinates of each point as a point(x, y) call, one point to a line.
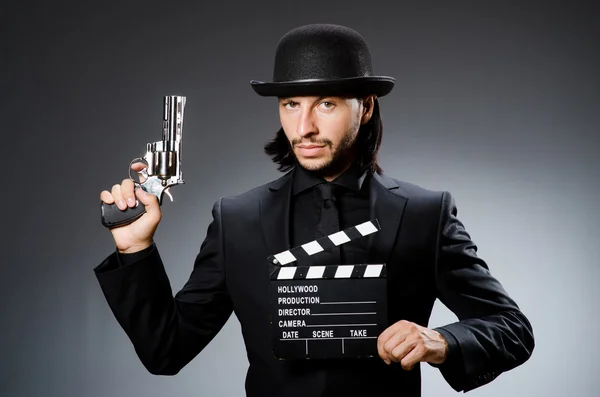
point(387, 207)
point(275, 214)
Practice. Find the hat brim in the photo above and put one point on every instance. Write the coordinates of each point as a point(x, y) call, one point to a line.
point(355, 86)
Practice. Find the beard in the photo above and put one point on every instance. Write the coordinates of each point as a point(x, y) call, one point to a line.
point(341, 155)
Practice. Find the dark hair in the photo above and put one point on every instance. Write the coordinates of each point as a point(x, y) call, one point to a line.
point(367, 144)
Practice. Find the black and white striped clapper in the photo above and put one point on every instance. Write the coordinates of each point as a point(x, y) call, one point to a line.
point(326, 312)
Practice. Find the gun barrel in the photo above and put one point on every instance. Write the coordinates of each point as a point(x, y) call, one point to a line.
point(173, 119)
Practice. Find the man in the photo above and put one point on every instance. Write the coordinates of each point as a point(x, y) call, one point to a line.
point(330, 136)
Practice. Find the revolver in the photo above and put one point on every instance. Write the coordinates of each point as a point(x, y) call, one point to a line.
point(158, 170)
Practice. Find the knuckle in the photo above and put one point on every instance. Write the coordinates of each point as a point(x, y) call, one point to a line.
point(388, 346)
point(398, 352)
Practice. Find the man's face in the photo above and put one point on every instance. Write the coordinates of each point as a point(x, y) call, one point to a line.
point(322, 130)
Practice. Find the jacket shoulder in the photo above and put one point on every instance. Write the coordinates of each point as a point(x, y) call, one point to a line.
point(254, 195)
point(410, 190)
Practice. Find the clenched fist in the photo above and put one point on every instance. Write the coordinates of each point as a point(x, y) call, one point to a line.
point(409, 343)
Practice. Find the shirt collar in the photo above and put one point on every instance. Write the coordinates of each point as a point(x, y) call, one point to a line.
point(353, 179)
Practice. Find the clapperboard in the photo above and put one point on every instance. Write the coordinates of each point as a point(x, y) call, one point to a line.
point(326, 312)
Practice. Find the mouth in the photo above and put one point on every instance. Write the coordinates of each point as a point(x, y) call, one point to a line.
point(308, 151)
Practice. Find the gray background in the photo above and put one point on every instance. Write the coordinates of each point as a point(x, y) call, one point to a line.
point(496, 101)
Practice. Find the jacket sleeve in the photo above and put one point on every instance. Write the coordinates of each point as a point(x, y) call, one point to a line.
point(492, 335)
point(168, 331)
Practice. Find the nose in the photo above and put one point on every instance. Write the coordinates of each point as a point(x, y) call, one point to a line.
point(306, 124)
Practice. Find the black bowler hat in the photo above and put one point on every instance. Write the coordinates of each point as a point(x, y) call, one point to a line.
point(323, 59)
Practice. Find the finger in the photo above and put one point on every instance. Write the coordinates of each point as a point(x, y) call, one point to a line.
point(386, 335)
point(118, 197)
point(106, 197)
point(396, 340)
point(398, 353)
point(127, 187)
point(380, 351)
point(383, 338)
point(394, 328)
point(413, 357)
point(138, 166)
point(149, 200)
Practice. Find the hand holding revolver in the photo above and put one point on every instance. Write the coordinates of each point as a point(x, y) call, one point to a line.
point(137, 235)
point(131, 210)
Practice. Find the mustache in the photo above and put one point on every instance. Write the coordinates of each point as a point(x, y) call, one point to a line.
point(298, 141)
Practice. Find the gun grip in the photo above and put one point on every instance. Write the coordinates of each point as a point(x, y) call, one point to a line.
point(112, 216)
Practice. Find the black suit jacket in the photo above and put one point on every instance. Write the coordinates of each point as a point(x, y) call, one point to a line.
point(428, 253)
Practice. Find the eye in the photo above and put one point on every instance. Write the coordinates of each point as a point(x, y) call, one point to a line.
point(327, 105)
point(290, 105)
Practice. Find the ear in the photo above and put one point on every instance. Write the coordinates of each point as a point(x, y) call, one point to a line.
point(368, 105)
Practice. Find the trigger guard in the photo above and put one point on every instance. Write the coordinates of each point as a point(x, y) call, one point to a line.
point(143, 172)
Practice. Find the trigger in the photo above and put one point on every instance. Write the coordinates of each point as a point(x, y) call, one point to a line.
point(168, 194)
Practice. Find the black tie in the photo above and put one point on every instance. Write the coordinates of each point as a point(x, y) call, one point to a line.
point(328, 224)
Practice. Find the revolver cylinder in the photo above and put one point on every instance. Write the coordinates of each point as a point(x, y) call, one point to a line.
point(165, 165)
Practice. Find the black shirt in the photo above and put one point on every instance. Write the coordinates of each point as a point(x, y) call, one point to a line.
point(352, 200)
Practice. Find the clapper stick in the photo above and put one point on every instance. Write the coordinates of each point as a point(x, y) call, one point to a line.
point(325, 312)
point(314, 247)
